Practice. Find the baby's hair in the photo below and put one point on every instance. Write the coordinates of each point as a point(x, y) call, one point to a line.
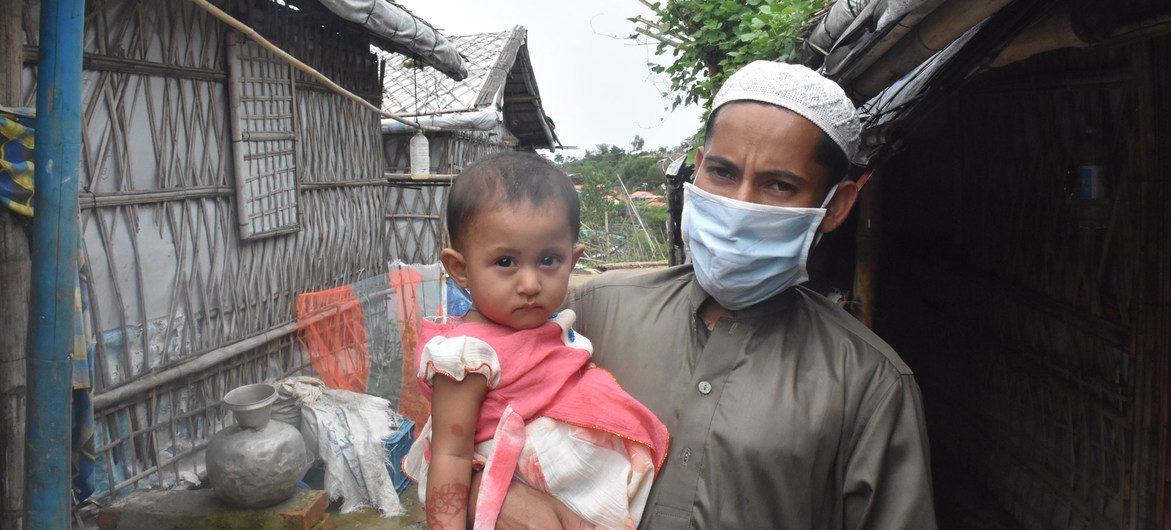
point(509, 177)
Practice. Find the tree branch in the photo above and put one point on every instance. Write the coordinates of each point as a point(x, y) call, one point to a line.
point(658, 37)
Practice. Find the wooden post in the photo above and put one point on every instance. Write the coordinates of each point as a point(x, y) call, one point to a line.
point(15, 278)
point(866, 259)
point(1150, 482)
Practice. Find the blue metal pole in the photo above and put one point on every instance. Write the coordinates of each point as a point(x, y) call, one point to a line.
point(54, 261)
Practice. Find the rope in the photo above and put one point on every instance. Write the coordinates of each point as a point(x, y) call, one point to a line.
point(415, 78)
point(252, 34)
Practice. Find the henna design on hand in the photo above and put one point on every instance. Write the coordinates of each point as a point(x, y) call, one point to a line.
point(444, 501)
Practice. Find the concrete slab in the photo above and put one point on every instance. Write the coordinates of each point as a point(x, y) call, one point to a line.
point(414, 518)
point(200, 509)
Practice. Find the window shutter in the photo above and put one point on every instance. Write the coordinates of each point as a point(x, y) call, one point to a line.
point(260, 90)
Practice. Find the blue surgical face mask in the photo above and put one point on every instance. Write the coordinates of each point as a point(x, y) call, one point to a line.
point(744, 253)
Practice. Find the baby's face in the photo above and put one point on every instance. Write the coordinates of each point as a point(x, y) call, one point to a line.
point(519, 258)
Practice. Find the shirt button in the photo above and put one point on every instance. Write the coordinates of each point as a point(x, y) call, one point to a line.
point(705, 387)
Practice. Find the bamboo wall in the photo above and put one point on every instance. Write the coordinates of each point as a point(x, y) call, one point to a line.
point(170, 280)
point(1037, 320)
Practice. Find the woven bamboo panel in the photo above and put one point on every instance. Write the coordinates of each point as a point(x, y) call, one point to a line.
point(167, 32)
point(339, 139)
point(1021, 290)
point(170, 277)
point(414, 223)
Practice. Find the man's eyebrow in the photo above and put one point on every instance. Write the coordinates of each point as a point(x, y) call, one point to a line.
point(785, 173)
point(717, 159)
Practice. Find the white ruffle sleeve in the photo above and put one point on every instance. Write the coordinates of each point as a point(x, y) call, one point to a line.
point(457, 357)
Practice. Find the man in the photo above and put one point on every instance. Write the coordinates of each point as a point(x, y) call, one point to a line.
point(784, 411)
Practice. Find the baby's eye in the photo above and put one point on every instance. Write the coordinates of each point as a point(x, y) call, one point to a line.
point(549, 261)
point(505, 262)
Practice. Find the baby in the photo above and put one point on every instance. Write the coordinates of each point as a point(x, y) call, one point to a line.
point(516, 392)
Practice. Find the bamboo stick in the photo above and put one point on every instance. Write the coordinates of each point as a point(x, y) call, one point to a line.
point(630, 265)
point(207, 360)
point(111, 399)
point(126, 198)
point(407, 177)
point(658, 37)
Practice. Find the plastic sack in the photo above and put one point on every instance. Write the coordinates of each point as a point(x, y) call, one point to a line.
point(347, 432)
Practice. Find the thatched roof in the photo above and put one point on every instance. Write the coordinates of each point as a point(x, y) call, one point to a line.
point(500, 78)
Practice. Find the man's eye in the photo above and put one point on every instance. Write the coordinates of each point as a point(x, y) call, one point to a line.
point(781, 185)
point(505, 262)
point(721, 172)
point(549, 261)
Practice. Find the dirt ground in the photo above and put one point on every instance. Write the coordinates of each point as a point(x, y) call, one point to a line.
point(578, 279)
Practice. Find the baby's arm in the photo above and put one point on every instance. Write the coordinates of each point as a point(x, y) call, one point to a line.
point(454, 411)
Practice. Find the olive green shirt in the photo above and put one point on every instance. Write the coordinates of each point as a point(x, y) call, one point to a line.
point(791, 414)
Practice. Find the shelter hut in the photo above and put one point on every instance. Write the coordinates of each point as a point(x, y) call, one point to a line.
point(217, 182)
point(496, 108)
point(1019, 190)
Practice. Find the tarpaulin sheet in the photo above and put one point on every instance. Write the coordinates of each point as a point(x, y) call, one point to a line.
point(395, 24)
point(16, 162)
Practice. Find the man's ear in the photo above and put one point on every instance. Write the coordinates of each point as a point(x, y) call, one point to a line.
point(698, 159)
point(839, 206)
point(456, 266)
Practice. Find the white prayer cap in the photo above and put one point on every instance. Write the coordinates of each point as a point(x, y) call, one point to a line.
point(801, 90)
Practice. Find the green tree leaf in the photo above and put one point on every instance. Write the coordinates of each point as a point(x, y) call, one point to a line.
point(716, 38)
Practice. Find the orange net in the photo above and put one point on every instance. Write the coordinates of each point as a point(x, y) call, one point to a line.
point(332, 328)
point(405, 285)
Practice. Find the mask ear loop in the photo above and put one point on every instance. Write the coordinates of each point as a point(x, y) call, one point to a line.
point(828, 197)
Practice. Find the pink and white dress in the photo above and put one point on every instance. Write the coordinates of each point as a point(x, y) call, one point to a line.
point(551, 418)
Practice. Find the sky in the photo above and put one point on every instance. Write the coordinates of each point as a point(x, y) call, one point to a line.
point(594, 82)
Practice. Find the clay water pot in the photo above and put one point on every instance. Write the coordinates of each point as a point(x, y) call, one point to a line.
point(256, 462)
